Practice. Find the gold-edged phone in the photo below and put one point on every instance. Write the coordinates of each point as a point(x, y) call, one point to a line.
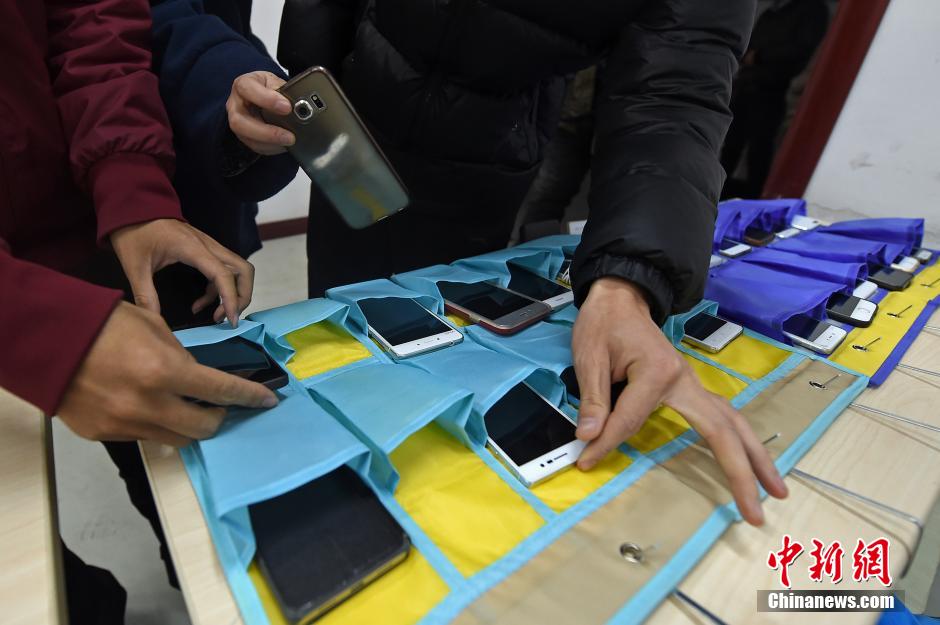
point(336, 150)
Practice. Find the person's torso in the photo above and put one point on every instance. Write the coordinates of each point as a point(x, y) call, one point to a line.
point(43, 216)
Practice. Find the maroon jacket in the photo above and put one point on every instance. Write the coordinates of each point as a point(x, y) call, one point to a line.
point(85, 148)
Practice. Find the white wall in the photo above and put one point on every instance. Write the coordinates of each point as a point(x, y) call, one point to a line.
point(292, 201)
point(883, 158)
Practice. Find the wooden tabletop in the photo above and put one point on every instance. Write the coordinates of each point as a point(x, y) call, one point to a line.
point(893, 463)
point(31, 588)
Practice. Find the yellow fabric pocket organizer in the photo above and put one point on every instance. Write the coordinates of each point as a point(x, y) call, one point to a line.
point(866, 349)
point(321, 347)
point(466, 509)
point(665, 424)
point(926, 284)
point(748, 356)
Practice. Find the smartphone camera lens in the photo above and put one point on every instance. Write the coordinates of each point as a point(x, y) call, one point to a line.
point(303, 110)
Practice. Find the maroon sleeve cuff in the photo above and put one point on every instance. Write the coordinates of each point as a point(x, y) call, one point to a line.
point(48, 322)
point(130, 188)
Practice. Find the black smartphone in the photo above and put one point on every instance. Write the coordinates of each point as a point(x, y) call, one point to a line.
point(758, 237)
point(888, 278)
point(243, 358)
point(570, 380)
point(852, 310)
point(321, 543)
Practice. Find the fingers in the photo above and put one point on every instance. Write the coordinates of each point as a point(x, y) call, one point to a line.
point(222, 278)
point(761, 462)
point(593, 375)
point(140, 277)
point(243, 270)
point(223, 389)
point(211, 295)
point(636, 402)
point(256, 88)
point(255, 133)
point(189, 420)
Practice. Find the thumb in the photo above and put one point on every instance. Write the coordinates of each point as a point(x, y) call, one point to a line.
point(594, 381)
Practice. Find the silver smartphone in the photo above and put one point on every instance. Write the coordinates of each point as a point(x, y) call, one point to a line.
point(815, 335)
point(906, 263)
point(497, 309)
point(709, 332)
point(715, 261)
point(405, 328)
point(337, 151)
point(865, 289)
point(923, 255)
point(549, 292)
point(732, 248)
point(802, 222)
point(530, 436)
point(788, 233)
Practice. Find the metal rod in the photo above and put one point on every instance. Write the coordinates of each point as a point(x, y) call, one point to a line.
point(711, 616)
point(896, 417)
point(851, 493)
point(919, 370)
point(898, 314)
point(864, 348)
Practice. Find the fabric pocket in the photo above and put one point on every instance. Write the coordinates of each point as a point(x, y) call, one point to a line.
point(900, 235)
point(567, 243)
point(545, 262)
point(736, 216)
point(847, 274)
point(425, 280)
point(833, 247)
point(314, 337)
point(377, 289)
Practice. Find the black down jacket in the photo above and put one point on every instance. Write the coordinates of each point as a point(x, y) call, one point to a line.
point(464, 96)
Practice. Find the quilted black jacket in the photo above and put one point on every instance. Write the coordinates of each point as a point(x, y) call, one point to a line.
point(464, 96)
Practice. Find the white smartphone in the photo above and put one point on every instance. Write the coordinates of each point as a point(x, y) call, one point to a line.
point(405, 328)
point(521, 280)
point(802, 222)
point(906, 263)
point(709, 332)
point(922, 254)
point(715, 261)
point(732, 248)
point(788, 233)
point(815, 335)
point(852, 310)
point(865, 289)
point(533, 438)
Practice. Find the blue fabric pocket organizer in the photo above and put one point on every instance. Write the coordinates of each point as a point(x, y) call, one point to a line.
point(847, 274)
point(281, 321)
point(900, 234)
point(834, 247)
point(763, 299)
point(400, 401)
point(736, 216)
point(425, 280)
point(546, 345)
point(377, 289)
point(567, 243)
point(544, 261)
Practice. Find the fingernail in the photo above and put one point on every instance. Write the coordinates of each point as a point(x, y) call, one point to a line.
point(587, 427)
point(269, 402)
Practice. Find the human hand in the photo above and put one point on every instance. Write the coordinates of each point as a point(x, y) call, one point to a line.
point(132, 383)
point(614, 338)
point(250, 94)
point(144, 249)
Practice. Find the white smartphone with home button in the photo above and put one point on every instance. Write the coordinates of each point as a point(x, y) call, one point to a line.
point(531, 436)
point(815, 335)
point(405, 328)
point(709, 332)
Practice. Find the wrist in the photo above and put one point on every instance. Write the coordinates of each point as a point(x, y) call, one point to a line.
point(624, 294)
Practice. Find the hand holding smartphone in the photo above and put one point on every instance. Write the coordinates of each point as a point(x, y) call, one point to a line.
point(239, 356)
point(336, 150)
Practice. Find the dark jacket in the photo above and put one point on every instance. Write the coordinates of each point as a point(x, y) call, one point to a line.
point(464, 96)
point(85, 149)
point(199, 48)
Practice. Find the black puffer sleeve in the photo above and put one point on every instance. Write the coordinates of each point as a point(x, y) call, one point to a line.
point(662, 114)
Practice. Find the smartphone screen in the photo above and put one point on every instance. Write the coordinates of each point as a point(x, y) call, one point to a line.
point(889, 278)
point(536, 287)
point(842, 304)
point(243, 358)
point(756, 236)
point(323, 541)
point(805, 327)
point(483, 299)
point(401, 320)
point(525, 426)
point(702, 326)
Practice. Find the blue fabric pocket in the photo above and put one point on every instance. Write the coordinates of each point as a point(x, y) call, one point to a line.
point(399, 401)
point(834, 247)
point(736, 216)
point(567, 243)
point(425, 280)
point(847, 274)
point(763, 299)
point(545, 262)
point(377, 289)
point(902, 234)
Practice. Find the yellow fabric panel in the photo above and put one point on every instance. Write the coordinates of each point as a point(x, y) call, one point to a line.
point(400, 597)
point(886, 329)
point(458, 322)
point(571, 486)
point(721, 383)
point(748, 356)
point(321, 347)
point(469, 512)
point(665, 424)
point(926, 284)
